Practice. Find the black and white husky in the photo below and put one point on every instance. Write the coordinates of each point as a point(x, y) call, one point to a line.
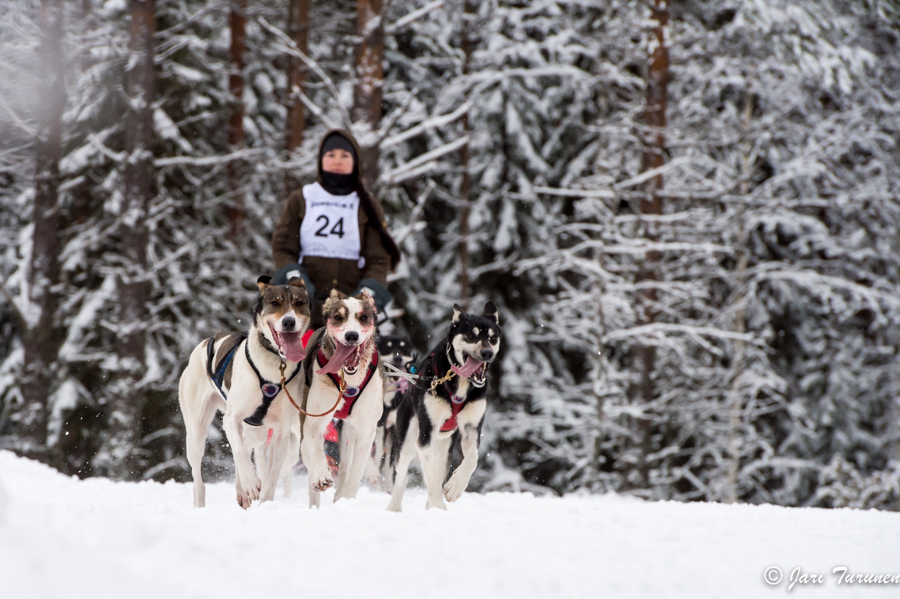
point(448, 401)
point(240, 374)
point(398, 351)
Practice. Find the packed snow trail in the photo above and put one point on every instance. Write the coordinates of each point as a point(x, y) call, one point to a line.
point(61, 537)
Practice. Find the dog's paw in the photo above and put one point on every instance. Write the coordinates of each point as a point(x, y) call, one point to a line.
point(243, 500)
point(454, 488)
point(323, 484)
point(252, 487)
point(437, 503)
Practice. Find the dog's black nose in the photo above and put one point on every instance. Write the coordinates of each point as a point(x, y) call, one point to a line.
point(487, 354)
point(288, 324)
point(351, 336)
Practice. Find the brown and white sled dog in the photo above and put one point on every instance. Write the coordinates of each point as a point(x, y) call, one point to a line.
point(240, 374)
point(343, 370)
point(447, 402)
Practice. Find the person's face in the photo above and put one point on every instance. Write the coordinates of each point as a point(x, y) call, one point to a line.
point(339, 162)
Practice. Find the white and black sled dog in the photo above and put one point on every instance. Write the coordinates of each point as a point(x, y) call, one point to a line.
point(398, 351)
point(448, 401)
point(344, 380)
point(240, 374)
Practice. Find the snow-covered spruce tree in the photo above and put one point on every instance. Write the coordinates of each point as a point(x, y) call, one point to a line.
point(529, 92)
point(19, 42)
point(720, 150)
point(794, 203)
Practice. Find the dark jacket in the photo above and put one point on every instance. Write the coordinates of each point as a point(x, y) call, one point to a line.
point(376, 247)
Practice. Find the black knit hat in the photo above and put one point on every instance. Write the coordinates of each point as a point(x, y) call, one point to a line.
point(336, 141)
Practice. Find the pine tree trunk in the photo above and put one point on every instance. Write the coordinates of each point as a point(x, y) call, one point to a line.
point(735, 402)
point(38, 339)
point(654, 117)
point(124, 423)
point(369, 72)
point(465, 184)
point(236, 209)
point(298, 29)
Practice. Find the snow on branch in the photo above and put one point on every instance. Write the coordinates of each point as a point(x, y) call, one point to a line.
point(653, 172)
point(207, 160)
point(657, 329)
point(431, 123)
point(608, 194)
point(409, 169)
point(401, 235)
point(412, 16)
point(289, 47)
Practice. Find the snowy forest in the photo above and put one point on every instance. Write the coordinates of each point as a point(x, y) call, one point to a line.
point(686, 211)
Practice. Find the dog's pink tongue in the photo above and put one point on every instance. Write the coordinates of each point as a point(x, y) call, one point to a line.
point(467, 369)
point(292, 346)
point(337, 359)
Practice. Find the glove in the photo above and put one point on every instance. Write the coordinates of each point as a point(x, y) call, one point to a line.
point(292, 271)
point(377, 291)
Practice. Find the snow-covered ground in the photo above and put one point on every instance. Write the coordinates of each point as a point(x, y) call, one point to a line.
point(61, 537)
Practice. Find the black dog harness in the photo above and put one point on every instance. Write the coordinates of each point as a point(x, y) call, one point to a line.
point(217, 374)
point(268, 388)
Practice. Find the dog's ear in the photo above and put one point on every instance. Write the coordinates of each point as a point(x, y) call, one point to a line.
point(490, 312)
point(334, 297)
point(297, 282)
point(263, 283)
point(457, 313)
point(366, 298)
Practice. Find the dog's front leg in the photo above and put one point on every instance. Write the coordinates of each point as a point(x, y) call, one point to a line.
point(293, 456)
point(246, 481)
point(460, 479)
point(347, 448)
point(312, 449)
point(434, 466)
point(274, 464)
point(401, 467)
point(358, 451)
point(373, 464)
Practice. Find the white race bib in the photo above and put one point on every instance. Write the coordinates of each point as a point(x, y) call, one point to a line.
point(330, 227)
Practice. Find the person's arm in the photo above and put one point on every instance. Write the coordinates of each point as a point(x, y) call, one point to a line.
point(378, 260)
point(286, 236)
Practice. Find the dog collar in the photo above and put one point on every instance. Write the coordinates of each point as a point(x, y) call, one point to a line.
point(267, 344)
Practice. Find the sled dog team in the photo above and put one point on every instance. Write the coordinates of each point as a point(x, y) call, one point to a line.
point(279, 392)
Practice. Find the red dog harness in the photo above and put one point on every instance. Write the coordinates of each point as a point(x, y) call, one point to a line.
point(457, 403)
point(351, 394)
